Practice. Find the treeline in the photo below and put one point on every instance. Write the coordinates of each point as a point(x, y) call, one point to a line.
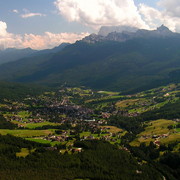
point(65, 126)
point(4, 124)
point(135, 125)
point(168, 163)
point(98, 161)
point(169, 111)
point(18, 91)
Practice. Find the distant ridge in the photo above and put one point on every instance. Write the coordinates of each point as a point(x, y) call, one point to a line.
point(130, 33)
point(105, 30)
point(127, 61)
point(13, 54)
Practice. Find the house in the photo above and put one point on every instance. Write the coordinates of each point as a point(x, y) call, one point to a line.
point(78, 150)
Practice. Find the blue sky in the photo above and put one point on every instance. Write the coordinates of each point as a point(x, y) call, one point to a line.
point(49, 22)
point(52, 22)
point(148, 2)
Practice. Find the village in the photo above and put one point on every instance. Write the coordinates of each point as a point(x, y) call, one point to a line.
point(61, 118)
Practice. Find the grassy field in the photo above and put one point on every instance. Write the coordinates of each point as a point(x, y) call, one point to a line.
point(24, 152)
point(43, 141)
point(85, 134)
point(171, 138)
point(39, 140)
point(126, 103)
point(36, 125)
point(27, 133)
point(90, 134)
point(158, 127)
point(112, 129)
point(106, 98)
point(22, 114)
point(3, 106)
point(108, 92)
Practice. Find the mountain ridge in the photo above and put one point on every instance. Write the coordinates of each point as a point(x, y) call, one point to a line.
point(132, 65)
point(13, 54)
point(125, 35)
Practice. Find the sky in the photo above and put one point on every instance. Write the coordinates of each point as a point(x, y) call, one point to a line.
point(41, 24)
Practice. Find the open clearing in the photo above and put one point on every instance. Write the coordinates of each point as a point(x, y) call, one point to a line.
point(109, 92)
point(112, 129)
point(27, 133)
point(43, 141)
point(24, 152)
point(126, 103)
point(157, 128)
point(36, 125)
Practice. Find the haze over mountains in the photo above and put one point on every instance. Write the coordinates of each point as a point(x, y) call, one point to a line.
point(125, 61)
point(124, 33)
point(105, 30)
point(12, 54)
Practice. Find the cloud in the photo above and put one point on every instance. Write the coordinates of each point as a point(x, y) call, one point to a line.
point(50, 40)
point(47, 40)
point(172, 7)
point(3, 28)
point(96, 13)
point(15, 11)
point(28, 15)
point(8, 39)
point(155, 18)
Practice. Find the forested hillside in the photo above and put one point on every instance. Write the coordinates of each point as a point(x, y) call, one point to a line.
point(132, 66)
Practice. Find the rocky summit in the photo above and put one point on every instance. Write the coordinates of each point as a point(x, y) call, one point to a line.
point(127, 33)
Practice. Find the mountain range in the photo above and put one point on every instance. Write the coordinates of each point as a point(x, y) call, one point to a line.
point(122, 61)
point(12, 54)
point(124, 33)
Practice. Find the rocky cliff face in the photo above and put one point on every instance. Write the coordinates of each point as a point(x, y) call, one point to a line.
point(161, 31)
point(105, 30)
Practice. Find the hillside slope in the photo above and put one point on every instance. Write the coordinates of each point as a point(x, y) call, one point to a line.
point(134, 65)
point(12, 54)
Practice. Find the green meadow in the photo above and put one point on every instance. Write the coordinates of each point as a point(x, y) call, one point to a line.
point(158, 128)
point(27, 133)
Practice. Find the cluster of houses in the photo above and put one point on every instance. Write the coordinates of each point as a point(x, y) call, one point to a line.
point(156, 138)
point(60, 138)
point(18, 118)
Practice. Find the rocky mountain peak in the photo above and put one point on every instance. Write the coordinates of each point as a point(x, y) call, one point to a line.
point(105, 30)
point(124, 35)
point(163, 28)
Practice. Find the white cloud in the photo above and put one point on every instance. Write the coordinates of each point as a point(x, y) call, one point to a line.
point(155, 18)
point(3, 28)
point(15, 11)
point(96, 13)
point(28, 15)
point(172, 7)
point(47, 40)
point(8, 39)
point(50, 40)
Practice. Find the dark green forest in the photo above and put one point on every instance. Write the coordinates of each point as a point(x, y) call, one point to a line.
point(99, 160)
point(131, 66)
point(18, 91)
